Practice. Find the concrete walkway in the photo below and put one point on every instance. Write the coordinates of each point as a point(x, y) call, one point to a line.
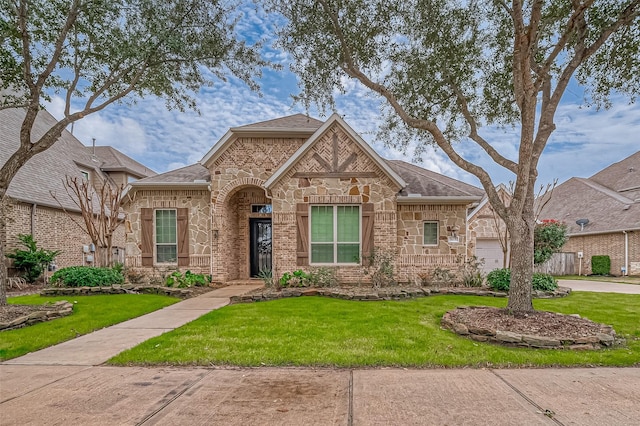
point(600, 286)
point(78, 395)
point(97, 347)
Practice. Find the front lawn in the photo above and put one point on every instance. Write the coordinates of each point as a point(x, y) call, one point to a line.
point(316, 331)
point(89, 313)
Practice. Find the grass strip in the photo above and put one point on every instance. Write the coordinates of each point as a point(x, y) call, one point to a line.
point(89, 313)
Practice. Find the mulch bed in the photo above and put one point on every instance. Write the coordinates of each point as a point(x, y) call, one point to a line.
point(537, 323)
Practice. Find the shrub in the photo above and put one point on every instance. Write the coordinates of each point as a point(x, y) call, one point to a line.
point(544, 282)
point(323, 277)
point(383, 263)
point(499, 279)
point(600, 265)
point(297, 278)
point(548, 237)
point(87, 276)
point(472, 274)
point(266, 275)
point(33, 260)
point(189, 279)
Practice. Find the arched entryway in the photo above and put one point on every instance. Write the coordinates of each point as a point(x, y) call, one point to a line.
point(243, 223)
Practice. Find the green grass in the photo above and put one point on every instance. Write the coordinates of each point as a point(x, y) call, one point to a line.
point(315, 331)
point(89, 313)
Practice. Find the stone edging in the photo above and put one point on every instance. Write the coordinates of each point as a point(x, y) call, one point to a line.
point(387, 293)
point(59, 309)
point(183, 293)
point(508, 338)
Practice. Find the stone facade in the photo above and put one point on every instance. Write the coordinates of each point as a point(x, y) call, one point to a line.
point(612, 244)
point(335, 169)
point(199, 229)
point(53, 229)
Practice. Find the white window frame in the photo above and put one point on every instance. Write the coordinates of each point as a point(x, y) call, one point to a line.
point(155, 238)
point(437, 223)
point(86, 174)
point(335, 236)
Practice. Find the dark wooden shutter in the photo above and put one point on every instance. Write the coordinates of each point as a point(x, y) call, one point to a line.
point(146, 224)
point(302, 234)
point(183, 237)
point(367, 233)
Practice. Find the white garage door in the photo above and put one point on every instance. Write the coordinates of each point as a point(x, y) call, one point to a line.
point(491, 251)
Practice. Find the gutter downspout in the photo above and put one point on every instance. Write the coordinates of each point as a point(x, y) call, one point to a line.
point(34, 206)
point(626, 253)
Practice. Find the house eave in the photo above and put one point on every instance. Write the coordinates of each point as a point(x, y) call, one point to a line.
point(451, 199)
point(170, 185)
point(290, 132)
point(606, 231)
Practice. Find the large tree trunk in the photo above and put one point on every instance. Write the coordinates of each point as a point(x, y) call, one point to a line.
point(3, 264)
point(520, 288)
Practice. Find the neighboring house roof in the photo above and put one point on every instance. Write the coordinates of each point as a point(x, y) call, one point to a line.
point(46, 172)
point(426, 185)
point(602, 199)
point(335, 119)
point(113, 160)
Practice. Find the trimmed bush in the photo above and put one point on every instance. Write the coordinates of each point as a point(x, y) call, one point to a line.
point(499, 279)
point(544, 282)
point(189, 279)
point(33, 260)
point(87, 276)
point(600, 265)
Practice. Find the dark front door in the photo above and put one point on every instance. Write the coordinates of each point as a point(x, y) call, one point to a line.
point(260, 242)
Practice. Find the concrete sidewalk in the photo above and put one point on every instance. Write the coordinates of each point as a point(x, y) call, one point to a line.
point(600, 286)
point(34, 395)
point(97, 347)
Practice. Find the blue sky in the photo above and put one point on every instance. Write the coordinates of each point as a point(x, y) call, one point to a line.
point(586, 140)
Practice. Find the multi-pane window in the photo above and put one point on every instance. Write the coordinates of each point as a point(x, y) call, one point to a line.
point(166, 236)
point(261, 208)
point(430, 234)
point(335, 234)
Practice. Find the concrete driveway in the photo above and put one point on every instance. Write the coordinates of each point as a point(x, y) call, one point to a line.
point(600, 286)
point(81, 395)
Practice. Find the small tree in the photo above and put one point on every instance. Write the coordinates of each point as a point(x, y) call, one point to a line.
point(549, 237)
point(33, 260)
point(100, 211)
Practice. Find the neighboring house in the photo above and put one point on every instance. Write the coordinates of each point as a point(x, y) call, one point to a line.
point(294, 193)
point(603, 215)
point(488, 237)
point(31, 207)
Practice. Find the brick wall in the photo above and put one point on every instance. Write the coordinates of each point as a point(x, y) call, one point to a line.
point(604, 244)
point(53, 230)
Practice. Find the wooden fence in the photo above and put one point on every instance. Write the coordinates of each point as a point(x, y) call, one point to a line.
point(559, 264)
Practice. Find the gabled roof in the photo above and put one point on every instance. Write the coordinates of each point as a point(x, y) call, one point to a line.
point(193, 174)
point(425, 185)
point(577, 199)
point(502, 191)
point(335, 119)
point(112, 160)
point(296, 121)
point(623, 176)
point(297, 125)
point(45, 172)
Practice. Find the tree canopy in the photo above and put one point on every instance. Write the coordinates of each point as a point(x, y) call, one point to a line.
point(93, 53)
point(448, 68)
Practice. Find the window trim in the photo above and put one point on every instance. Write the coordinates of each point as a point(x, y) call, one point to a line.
point(437, 223)
point(335, 236)
point(86, 174)
point(155, 237)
